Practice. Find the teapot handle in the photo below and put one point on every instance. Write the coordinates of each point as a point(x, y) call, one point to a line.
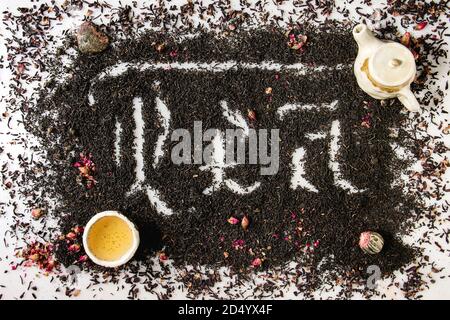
point(408, 99)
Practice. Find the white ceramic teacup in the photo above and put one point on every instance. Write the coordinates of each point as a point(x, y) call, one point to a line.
point(96, 221)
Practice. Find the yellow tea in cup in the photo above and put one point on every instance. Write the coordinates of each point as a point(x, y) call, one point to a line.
point(110, 238)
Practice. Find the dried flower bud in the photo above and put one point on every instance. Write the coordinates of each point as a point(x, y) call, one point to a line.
point(256, 262)
point(421, 25)
point(245, 223)
point(226, 254)
point(160, 47)
point(268, 90)
point(371, 242)
point(71, 236)
point(74, 247)
point(83, 258)
point(50, 264)
point(37, 213)
point(163, 256)
point(238, 244)
point(233, 220)
point(251, 115)
point(76, 293)
point(446, 130)
point(89, 184)
point(84, 170)
point(45, 21)
point(366, 121)
point(34, 257)
point(406, 39)
point(78, 230)
point(21, 68)
point(296, 42)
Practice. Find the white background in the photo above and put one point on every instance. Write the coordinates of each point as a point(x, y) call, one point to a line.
point(14, 286)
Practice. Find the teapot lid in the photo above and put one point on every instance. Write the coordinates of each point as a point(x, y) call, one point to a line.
point(392, 64)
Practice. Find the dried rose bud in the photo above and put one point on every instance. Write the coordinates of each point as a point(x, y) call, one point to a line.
point(268, 90)
point(446, 130)
point(233, 220)
point(37, 213)
point(50, 265)
point(256, 262)
point(371, 242)
point(406, 39)
point(74, 247)
point(34, 257)
point(160, 47)
point(245, 223)
point(226, 254)
point(45, 21)
point(71, 236)
point(251, 115)
point(83, 258)
point(238, 244)
point(76, 293)
point(297, 42)
point(78, 230)
point(421, 25)
point(84, 170)
point(28, 263)
point(163, 256)
point(21, 68)
point(89, 184)
point(367, 117)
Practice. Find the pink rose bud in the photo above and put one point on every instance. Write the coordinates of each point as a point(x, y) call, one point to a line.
point(256, 263)
point(371, 242)
point(71, 236)
point(245, 223)
point(233, 220)
point(37, 213)
point(421, 25)
point(74, 247)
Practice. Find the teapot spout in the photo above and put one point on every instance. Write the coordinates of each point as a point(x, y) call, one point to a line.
point(408, 99)
point(365, 39)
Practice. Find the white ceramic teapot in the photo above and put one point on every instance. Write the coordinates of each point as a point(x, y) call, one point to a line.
point(384, 69)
